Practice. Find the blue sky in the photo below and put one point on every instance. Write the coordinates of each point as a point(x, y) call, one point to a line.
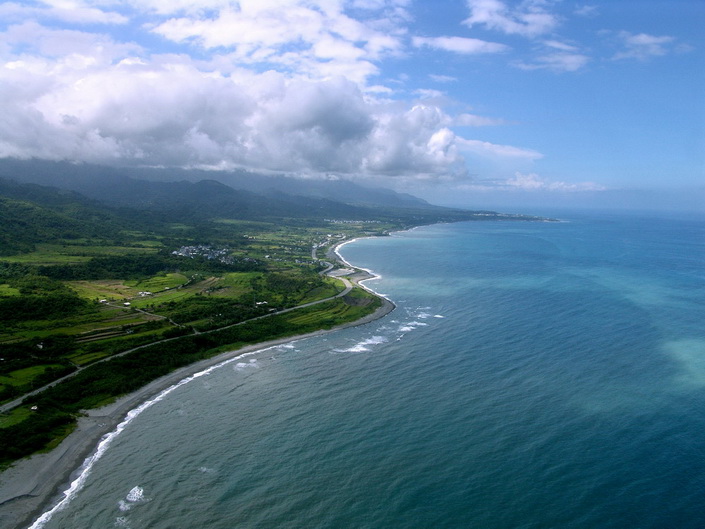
point(464, 102)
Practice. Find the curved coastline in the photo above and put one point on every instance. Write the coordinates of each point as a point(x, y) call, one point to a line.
point(360, 277)
point(34, 487)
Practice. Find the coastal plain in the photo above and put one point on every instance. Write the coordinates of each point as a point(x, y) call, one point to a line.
point(106, 303)
point(35, 484)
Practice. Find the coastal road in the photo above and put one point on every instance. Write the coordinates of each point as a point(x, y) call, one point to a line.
point(15, 403)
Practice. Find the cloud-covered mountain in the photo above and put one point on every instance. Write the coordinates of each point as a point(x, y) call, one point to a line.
point(162, 187)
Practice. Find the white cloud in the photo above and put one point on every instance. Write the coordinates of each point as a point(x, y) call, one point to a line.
point(472, 120)
point(396, 5)
point(557, 56)
point(484, 148)
point(174, 7)
point(429, 93)
point(642, 46)
point(166, 110)
point(274, 85)
point(413, 143)
point(557, 62)
point(530, 19)
point(72, 11)
point(315, 36)
point(35, 40)
point(533, 182)
point(558, 45)
point(461, 45)
point(268, 89)
point(443, 78)
point(587, 10)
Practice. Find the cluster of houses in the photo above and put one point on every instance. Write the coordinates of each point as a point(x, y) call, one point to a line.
point(127, 303)
point(207, 252)
point(342, 221)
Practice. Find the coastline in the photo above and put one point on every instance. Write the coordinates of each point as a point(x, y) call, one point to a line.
point(35, 485)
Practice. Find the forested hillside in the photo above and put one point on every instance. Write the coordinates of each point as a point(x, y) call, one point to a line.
point(165, 273)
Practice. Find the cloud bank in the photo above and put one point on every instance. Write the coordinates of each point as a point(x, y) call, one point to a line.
point(270, 85)
point(260, 84)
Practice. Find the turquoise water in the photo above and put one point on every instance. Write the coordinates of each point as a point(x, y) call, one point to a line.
point(534, 375)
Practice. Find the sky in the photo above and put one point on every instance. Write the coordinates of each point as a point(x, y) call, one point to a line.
point(462, 102)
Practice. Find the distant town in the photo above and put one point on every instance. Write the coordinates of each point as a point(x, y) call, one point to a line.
point(207, 252)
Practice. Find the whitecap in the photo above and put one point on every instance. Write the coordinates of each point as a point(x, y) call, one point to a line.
point(357, 349)
point(244, 365)
point(136, 495)
point(410, 326)
point(364, 345)
point(77, 484)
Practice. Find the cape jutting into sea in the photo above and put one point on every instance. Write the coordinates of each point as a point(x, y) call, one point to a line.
point(534, 375)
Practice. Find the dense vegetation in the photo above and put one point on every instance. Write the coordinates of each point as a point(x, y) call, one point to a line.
point(41, 298)
point(138, 266)
point(57, 407)
point(119, 293)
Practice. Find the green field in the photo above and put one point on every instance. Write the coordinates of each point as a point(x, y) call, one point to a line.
point(7, 290)
point(53, 254)
point(15, 416)
point(166, 280)
point(270, 268)
point(159, 283)
point(23, 377)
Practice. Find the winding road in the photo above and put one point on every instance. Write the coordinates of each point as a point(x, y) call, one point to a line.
point(8, 406)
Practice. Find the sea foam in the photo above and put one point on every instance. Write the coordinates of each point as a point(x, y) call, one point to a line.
point(407, 327)
point(135, 496)
point(240, 366)
point(105, 442)
point(364, 345)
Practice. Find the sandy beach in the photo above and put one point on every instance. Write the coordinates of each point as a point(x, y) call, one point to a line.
point(34, 485)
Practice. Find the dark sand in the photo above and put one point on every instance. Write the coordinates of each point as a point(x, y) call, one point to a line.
point(34, 485)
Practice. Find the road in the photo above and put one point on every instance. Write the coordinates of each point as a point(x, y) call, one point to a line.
point(13, 404)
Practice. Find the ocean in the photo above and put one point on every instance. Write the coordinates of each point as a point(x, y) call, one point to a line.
point(533, 375)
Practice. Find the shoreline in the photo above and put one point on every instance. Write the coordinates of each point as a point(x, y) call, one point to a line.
point(37, 484)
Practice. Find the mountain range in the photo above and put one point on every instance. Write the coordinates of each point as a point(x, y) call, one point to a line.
point(163, 188)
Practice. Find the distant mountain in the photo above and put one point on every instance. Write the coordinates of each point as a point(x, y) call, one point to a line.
point(119, 184)
point(276, 199)
point(176, 200)
point(31, 213)
point(91, 202)
point(330, 189)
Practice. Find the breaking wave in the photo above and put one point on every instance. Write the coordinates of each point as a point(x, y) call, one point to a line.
point(105, 442)
point(364, 345)
point(135, 496)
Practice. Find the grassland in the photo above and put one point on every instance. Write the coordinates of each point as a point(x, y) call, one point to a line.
point(102, 299)
point(72, 253)
point(262, 268)
point(7, 290)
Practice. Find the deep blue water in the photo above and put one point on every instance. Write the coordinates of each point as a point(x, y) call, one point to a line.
point(534, 375)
